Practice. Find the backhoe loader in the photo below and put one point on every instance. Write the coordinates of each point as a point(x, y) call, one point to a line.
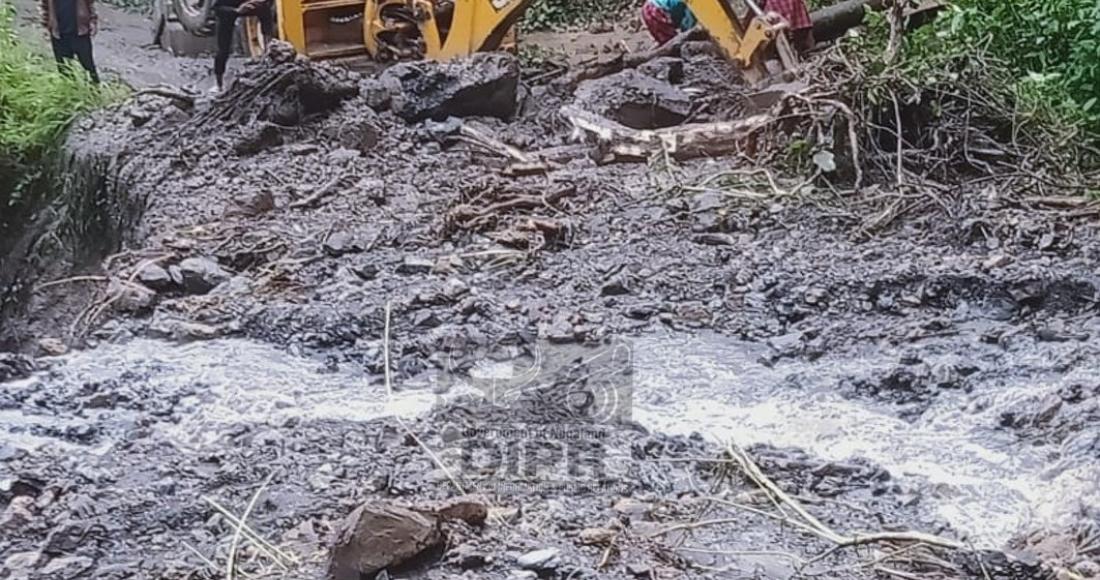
point(386, 30)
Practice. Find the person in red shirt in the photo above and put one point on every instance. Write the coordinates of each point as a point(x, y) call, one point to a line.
point(797, 16)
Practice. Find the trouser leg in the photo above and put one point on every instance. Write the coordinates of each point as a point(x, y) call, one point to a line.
point(62, 51)
point(225, 25)
point(82, 48)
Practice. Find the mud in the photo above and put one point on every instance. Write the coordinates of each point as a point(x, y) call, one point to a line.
point(419, 243)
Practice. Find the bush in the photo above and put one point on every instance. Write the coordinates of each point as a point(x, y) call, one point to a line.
point(556, 14)
point(1050, 48)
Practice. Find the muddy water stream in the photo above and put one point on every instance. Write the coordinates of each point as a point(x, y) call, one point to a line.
point(975, 477)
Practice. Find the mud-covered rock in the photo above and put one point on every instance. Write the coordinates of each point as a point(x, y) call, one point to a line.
point(358, 130)
point(668, 69)
point(484, 85)
point(156, 277)
point(14, 366)
point(380, 536)
point(201, 275)
point(635, 100)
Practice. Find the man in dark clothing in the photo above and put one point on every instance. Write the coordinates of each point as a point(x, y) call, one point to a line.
point(72, 24)
point(226, 13)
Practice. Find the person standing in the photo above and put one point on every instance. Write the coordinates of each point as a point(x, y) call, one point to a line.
point(797, 15)
point(71, 25)
point(226, 13)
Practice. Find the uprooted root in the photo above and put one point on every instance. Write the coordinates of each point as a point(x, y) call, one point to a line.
point(282, 89)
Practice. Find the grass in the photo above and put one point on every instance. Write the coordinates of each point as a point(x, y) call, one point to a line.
point(37, 102)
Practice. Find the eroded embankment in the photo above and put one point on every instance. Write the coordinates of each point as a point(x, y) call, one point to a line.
point(74, 210)
point(329, 215)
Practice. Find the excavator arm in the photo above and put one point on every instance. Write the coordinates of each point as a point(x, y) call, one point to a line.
point(744, 43)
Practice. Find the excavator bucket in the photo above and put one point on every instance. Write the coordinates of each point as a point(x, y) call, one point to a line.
point(745, 39)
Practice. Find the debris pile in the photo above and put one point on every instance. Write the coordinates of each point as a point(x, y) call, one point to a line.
point(370, 222)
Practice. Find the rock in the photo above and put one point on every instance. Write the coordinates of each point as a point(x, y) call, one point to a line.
point(22, 562)
point(359, 132)
point(378, 92)
point(522, 575)
point(483, 85)
point(156, 278)
point(201, 275)
point(633, 508)
point(67, 568)
point(14, 366)
point(639, 570)
point(1088, 569)
point(172, 328)
point(995, 261)
point(258, 137)
point(468, 557)
point(668, 69)
point(597, 536)
point(340, 243)
point(130, 296)
point(380, 536)
point(415, 265)
point(542, 560)
point(18, 514)
point(635, 100)
point(454, 288)
point(614, 287)
point(469, 509)
point(52, 346)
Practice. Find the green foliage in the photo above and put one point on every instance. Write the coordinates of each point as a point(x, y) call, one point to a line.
point(37, 102)
point(1043, 56)
point(557, 14)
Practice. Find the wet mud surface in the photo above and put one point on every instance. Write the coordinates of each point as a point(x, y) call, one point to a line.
point(301, 232)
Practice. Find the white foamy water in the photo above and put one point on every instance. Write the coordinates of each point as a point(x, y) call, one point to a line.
point(979, 480)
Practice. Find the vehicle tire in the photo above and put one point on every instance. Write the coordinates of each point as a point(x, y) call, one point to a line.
point(196, 16)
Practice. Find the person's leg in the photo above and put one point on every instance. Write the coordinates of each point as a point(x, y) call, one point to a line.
point(266, 15)
point(225, 24)
point(62, 51)
point(82, 47)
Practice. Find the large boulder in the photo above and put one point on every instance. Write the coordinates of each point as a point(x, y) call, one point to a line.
point(483, 85)
point(635, 100)
point(381, 536)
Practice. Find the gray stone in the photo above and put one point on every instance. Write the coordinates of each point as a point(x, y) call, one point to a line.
point(635, 100)
point(378, 92)
point(378, 536)
point(415, 265)
point(483, 85)
point(201, 275)
point(666, 68)
point(340, 243)
point(14, 366)
point(540, 560)
point(22, 561)
point(156, 278)
point(67, 568)
point(130, 296)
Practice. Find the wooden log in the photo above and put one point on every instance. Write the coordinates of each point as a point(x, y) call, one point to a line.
point(616, 142)
point(833, 21)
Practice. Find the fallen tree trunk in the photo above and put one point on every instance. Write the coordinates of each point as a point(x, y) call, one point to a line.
point(616, 142)
point(833, 21)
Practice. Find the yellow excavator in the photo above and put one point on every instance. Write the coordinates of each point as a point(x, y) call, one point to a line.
point(386, 30)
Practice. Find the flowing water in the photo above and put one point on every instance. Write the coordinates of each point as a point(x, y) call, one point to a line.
point(979, 478)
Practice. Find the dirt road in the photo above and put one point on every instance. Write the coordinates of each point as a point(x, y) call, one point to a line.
point(123, 48)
